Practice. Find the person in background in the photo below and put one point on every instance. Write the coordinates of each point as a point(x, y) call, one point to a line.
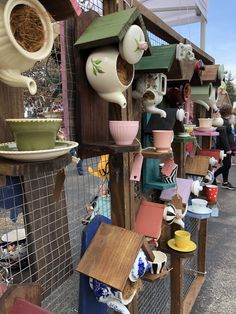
point(224, 142)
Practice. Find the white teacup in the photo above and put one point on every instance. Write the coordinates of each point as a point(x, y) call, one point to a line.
point(181, 114)
point(159, 263)
point(205, 122)
point(198, 203)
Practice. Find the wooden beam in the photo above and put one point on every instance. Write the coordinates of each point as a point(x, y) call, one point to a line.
point(159, 28)
point(60, 9)
point(192, 294)
point(155, 25)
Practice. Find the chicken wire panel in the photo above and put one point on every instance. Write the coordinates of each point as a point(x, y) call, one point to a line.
point(191, 264)
point(155, 297)
point(96, 5)
point(85, 184)
point(155, 40)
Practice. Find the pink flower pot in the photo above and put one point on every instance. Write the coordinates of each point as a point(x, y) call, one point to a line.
point(162, 140)
point(123, 132)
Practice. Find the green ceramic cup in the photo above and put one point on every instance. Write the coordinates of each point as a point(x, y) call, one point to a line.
point(34, 134)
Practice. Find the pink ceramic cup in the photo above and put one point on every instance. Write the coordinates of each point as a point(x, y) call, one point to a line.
point(123, 132)
point(162, 139)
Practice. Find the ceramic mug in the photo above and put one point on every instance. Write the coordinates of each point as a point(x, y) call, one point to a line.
point(182, 238)
point(162, 140)
point(159, 263)
point(181, 114)
point(211, 192)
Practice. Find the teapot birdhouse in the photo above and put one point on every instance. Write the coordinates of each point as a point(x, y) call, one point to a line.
point(118, 41)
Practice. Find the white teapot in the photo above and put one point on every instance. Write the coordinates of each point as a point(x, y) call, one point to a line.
point(14, 59)
point(109, 74)
point(153, 95)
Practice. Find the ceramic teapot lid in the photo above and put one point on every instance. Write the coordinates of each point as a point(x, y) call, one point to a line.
point(133, 45)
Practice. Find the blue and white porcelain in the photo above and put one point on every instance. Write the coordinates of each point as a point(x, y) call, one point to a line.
point(113, 297)
point(140, 266)
point(110, 296)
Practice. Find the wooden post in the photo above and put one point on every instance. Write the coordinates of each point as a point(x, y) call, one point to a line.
point(176, 285)
point(202, 241)
point(11, 106)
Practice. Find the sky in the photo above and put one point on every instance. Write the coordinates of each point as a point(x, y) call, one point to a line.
point(220, 33)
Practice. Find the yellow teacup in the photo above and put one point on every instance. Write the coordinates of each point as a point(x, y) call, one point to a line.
point(182, 238)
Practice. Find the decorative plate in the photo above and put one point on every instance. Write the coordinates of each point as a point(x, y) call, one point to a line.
point(200, 211)
point(10, 151)
point(201, 129)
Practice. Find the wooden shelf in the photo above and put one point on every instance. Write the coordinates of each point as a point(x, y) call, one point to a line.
point(152, 278)
point(198, 133)
point(168, 250)
point(18, 168)
point(151, 153)
point(109, 147)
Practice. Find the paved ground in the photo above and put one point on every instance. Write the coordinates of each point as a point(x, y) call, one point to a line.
point(218, 294)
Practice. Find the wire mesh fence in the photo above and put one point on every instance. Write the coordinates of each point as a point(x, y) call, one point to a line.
point(41, 237)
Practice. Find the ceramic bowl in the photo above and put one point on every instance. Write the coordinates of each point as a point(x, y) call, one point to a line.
point(123, 132)
point(159, 263)
point(34, 134)
point(205, 122)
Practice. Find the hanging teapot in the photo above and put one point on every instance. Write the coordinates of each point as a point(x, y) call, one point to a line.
point(153, 95)
point(15, 56)
point(109, 74)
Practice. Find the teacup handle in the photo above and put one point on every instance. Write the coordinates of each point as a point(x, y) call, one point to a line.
point(163, 83)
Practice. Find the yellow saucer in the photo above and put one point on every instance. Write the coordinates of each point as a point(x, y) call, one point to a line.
point(189, 248)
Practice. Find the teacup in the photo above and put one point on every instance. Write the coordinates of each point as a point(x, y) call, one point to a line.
point(181, 114)
point(182, 239)
point(162, 139)
point(205, 122)
point(198, 203)
point(159, 263)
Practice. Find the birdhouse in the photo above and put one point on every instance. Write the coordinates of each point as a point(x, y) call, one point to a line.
point(176, 61)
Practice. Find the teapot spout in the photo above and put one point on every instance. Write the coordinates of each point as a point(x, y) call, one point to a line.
point(15, 79)
point(154, 109)
point(115, 97)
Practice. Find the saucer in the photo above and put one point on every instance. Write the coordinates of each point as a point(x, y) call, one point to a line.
point(183, 134)
point(201, 129)
point(10, 151)
point(199, 210)
point(189, 248)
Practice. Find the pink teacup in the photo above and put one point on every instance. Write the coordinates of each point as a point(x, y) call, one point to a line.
point(123, 132)
point(162, 140)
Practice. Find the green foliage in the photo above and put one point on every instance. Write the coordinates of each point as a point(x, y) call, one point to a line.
point(230, 87)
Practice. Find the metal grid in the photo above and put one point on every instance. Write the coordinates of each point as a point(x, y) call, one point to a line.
point(81, 187)
point(155, 297)
point(191, 264)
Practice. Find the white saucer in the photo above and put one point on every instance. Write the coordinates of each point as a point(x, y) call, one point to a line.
point(201, 129)
point(10, 151)
point(199, 210)
point(183, 135)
